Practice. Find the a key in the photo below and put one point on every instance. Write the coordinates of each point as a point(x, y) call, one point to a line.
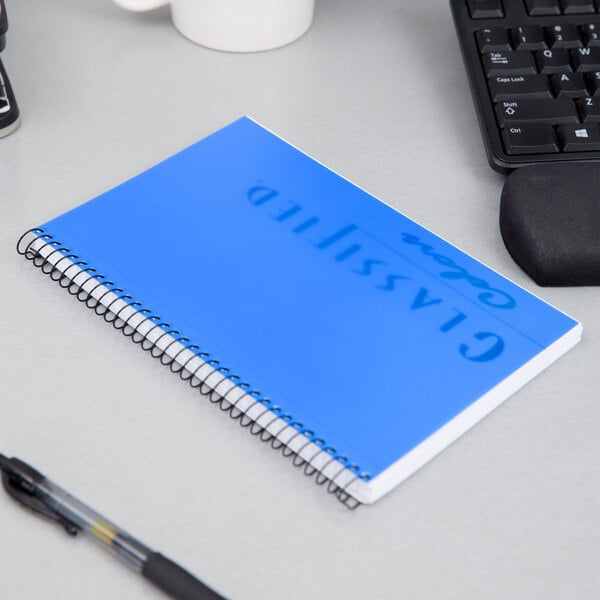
point(507, 87)
point(579, 138)
point(577, 7)
point(493, 39)
point(518, 63)
point(564, 36)
point(529, 139)
point(486, 9)
point(569, 85)
point(526, 111)
point(529, 37)
point(589, 109)
point(553, 61)
point(542, 8)
point(586, 59)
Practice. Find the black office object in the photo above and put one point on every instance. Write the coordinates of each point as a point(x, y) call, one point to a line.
point(37, 493)
point(534, 71)
point(3, 25)
point(550, 222)
point(9, 111)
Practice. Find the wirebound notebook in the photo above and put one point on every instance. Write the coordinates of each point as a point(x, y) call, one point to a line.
point(333, 327)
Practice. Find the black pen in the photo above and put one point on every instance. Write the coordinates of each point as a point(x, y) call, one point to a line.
point(37, 493)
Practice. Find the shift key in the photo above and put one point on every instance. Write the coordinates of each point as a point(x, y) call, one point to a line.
point(559, 111)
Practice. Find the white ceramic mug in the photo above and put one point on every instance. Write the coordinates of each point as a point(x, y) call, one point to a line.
point(235, 25)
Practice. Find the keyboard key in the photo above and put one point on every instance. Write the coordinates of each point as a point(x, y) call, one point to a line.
point(493, 39)
point(526, 111)
point(569, 85)
point(553, 61)
point(530, 139)
point(542, 8)
point(508, 87)
point(589, 109)
point(577, 7)
point(586, 59)
point(515, 63)
point(564, 36)
point(593, 81)
point(579, 138)
point(486, 9)
point(529, 37)
point(591, 34)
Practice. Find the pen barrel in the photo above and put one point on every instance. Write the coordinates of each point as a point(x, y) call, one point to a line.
point(49, 499)
point(175, 581)
point(93, 525)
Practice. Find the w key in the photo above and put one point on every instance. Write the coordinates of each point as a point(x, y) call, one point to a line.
point(507, 87)
point(586, 59)
point(554, 112)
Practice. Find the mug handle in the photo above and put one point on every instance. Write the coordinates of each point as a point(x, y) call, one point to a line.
point(140, 5)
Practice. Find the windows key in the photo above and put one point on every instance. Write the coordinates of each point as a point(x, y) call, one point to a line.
point(579, 138)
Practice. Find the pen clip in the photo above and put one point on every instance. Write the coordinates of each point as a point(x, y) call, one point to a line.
point(14, 487)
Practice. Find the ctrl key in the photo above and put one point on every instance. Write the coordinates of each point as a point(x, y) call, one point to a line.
point(529, 139)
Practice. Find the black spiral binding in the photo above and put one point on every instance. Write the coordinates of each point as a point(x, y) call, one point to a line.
point(47, 254)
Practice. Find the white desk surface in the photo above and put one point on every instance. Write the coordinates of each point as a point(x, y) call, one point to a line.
point(377, 91)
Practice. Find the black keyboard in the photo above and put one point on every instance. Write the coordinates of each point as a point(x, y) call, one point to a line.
point(9, 112)
point(534, 71)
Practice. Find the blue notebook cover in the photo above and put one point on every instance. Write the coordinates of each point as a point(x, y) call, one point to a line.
point(349, 334)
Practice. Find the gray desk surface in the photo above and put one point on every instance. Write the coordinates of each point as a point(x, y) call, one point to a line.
point(377, 91)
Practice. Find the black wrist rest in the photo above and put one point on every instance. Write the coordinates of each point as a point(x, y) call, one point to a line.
point(550, 222)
